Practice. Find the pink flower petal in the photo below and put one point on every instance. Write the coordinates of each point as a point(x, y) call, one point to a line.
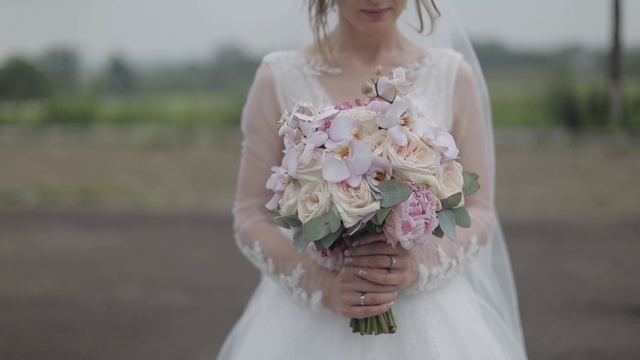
point(342, 128)
point(361, 157)
point(397, 135)
point(334, 170)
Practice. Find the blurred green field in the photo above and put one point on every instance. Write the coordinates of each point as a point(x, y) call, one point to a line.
point(216, 109)
point(517, 101)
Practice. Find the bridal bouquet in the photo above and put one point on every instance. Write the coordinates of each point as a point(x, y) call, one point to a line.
point(376, 167)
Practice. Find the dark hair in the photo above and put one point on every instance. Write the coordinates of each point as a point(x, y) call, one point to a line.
point(319, 9)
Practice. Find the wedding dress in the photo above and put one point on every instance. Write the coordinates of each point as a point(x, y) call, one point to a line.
point(462, 306)
point(440, 316)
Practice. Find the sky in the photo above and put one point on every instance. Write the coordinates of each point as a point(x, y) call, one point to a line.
point(157, 30)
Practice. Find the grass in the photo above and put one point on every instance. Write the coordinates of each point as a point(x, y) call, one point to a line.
point(553, 182)
point(220, 110)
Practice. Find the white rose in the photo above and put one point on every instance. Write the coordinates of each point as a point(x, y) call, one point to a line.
point(415, 162)
point(378, 143)
point(314, 200)
point(450, 180)
point(312, 171)
point(353, 203)
point(289, 201)
point(366, 118)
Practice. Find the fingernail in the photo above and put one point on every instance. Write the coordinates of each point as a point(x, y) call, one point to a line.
point(347, 252)
point(362, 272)
point(348, 260)
point(354, 243)
point(391, 303)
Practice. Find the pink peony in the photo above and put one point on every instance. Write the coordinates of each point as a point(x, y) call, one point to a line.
point(412, 222)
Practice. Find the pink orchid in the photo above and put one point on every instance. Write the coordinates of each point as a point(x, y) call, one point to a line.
point(379, 171)
point(436, 137)
point(389, 88)
point(277, 183)
point(393, 120)
point(351, 157)
point(316, 140)
point(378, 106)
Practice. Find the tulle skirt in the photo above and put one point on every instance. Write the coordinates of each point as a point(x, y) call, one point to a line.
point(450, 322)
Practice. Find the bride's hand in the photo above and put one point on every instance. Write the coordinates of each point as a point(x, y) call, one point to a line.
point(344, 292)
point(372, 258)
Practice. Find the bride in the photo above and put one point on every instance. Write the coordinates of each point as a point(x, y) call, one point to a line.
point(451, 300)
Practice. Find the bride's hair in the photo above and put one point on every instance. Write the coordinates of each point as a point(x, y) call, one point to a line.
point(319, 10)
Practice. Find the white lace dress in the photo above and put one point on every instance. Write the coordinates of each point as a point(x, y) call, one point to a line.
point(438, 317)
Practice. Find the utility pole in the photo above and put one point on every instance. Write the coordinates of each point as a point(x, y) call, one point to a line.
point(615, 67)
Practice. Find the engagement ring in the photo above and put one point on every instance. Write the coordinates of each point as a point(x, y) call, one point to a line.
point(393, 261)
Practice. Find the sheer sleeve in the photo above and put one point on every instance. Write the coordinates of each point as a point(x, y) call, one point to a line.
point(268, 247)
point(442, 259)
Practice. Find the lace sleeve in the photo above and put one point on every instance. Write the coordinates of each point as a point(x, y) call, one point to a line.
point(442, 259)
point(268, 247)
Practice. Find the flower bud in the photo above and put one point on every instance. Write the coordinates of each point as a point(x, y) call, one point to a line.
point(378, 70)
point(367, 88)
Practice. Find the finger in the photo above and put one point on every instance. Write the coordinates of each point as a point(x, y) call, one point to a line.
point(376, 248)
point(368, 238)
point(357, 283)
point(361, 312)
point(374, 261)
point(373, 299)
point(381, 277)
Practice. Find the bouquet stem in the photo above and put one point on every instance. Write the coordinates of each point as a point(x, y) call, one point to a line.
point(376, 325)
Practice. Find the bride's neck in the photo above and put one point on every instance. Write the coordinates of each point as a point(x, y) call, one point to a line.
point(352, 47)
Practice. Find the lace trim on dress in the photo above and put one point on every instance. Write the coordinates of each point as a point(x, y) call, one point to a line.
point(429, 279)
point(290, 283)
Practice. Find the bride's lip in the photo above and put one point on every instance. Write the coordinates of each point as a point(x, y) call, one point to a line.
point(376, 13)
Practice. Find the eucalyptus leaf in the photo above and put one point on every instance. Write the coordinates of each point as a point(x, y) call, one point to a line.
point(291, 220)
point(373, 228)
point(333, 220)
point(462, 217)
point(447, 222)
point(299, 241)
point(276, 219)
point(319, 245)
point(452, 201)
point(471, 184)
point(328, 240)
point(393, 193)
point(438, 232)
point(374, 220)
point(316, 228)
point(381, 215)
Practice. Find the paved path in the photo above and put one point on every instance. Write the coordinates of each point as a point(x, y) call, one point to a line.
point(106, 285)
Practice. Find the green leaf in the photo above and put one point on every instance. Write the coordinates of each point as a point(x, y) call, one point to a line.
point(438, 232)
point(277, 219)
point(319, 245)
point(328, 240)
point(381, 215)
point(452, 201)
point(462, 217)
point(299, 241)
point(291, 220)
point(333, 220)
point(373, 228)
point(471, 184)
point(393, 193)
point(447, 221)
point(316, 228)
